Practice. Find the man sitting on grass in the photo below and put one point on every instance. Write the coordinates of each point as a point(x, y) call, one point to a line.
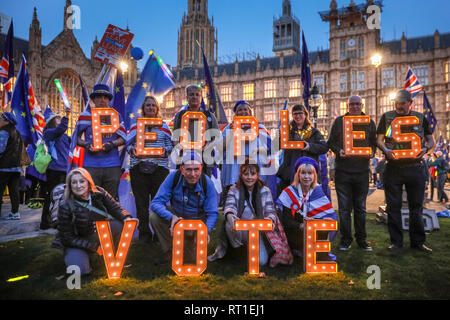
point(191, 195)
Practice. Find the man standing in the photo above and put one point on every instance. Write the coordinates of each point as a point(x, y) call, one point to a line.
point(191, 195)
point(441, 166)
point(408, 172)
point(194, 97)
point(352, 177)
point(104, 165)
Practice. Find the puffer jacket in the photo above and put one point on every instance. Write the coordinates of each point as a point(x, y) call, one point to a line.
point(76, 224)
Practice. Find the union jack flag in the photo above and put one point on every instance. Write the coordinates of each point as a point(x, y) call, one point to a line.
point(412, 84)
point(7, 68)
point(315, 205)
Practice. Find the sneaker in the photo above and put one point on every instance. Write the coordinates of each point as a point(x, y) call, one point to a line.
point(13, 216)
point(345, 247)
point(394, 248)
point(364, 246)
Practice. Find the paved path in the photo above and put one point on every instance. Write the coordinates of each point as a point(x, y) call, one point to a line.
point(28, 225)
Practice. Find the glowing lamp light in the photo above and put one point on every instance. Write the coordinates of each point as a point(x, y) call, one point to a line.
point(124, 66)
point(142, 137)
point(350, 136)
point(185, 135)
point(284, 133)
point(240, 136)
point(413, 138)
point(311, 265)
point(178, 248)
point(253, 227)
point(114, 262)
point(98, 130)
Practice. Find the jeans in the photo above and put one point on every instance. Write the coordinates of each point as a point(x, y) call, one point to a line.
point(440, 187)
point(143, 186)
point(351, 191)
point(10, 179)
point(413, 178)
point(107, 178)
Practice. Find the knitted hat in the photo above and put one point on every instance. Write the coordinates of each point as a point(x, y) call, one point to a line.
point(101, 89)
point(240, 103)
point(191, 156)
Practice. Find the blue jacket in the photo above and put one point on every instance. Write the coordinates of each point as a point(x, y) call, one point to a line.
point(62, 144)
point(185, 201)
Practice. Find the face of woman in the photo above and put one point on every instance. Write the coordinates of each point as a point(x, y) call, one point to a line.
point(299, 117)
point(249, 177)
point(58, 121)
point(243, 111)
point(306, 178)
point(80, 186)
point(150, 108)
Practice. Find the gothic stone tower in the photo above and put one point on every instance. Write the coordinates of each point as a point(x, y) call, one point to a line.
point(196, 26)
point(286, 32)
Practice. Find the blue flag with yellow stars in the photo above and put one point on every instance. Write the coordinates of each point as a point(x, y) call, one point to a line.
point(305, 72)
point(428, 112)
point(155, 79)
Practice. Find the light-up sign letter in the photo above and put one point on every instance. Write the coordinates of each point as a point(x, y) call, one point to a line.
point(253, 227)
point(114, 262)
point(350, 136)
point(240, 136)
point(416, 142)
point(184, 137)
point(178, 247)
point(142, 137)
point(98, 129)
point(284, 133)
point(313, 246)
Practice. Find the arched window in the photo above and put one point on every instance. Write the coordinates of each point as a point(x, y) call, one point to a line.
point(71, 83)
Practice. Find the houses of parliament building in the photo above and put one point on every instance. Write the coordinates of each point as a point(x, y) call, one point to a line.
point(344, 69)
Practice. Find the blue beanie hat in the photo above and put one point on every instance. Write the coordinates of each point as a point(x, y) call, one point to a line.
point(306, 160)
point(191, 156)
point(240, 103)
point(101, 89)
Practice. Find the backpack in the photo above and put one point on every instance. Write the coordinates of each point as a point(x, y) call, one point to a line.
point(57, 199)
point(177, 177)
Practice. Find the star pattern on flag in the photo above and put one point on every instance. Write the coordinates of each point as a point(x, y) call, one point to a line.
point(131, 115)
point(33, 130)
point(144, 85)
point(23, 114)
point(117, 89)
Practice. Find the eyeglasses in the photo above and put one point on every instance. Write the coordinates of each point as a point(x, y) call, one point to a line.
point(298, 114)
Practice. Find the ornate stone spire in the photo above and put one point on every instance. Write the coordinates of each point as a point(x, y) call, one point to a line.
point(333, 5)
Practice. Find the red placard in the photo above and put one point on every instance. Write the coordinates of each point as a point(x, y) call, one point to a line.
point(114, 45)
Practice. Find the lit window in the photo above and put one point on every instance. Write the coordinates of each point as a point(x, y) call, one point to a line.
point(270, 89)
point(270, 114)
point(342, 108)
point(225, 93)
point(294, 88)
point(249, 91)
point(322, 112)
point(169, 100)
point(447, 101)
point(418, 103)
point(447, 72)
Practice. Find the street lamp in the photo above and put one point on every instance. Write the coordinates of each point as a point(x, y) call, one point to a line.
point(376, 62)
point(315, 100)
point(123, 66)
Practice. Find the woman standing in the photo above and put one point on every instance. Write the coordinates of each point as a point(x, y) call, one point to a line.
point(58, 143)
point(77, 216)
point(146, 173)
point(303, 199)
point(249, 199)
point(300, 129)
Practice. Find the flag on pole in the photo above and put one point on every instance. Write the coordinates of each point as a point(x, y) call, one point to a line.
point(7, 68)
point(305, 72)
point(25, 108)
point(215, 105)
point(428, 112)
point(83, 92)
point(156, 80)
point(412, 84)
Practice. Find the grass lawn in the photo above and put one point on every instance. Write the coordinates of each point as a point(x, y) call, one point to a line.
point(407, 275)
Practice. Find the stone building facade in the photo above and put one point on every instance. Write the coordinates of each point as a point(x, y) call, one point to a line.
point(344, 69)
point(63, 59)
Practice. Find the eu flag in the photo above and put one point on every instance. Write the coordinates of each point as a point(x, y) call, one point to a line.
point(118, 102)
point(215, 105)
point(428, 112)
point(29, 120)
point(155, 79)
point(7, 68)
point(305, 72)
point(83, 92)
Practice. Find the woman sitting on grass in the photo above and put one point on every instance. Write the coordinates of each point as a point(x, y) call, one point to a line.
point(85, 203)
point(303, 199)
point(250, 199)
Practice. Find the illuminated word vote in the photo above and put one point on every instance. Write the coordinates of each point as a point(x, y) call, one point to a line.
point(115, 262)
point(313, 246)
point(284, 133)
point(350, 136)
point(201, 128)
point(414, 139)
point(253, 227)
point(239, 136)
point(142, 137)
point(98, 129)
